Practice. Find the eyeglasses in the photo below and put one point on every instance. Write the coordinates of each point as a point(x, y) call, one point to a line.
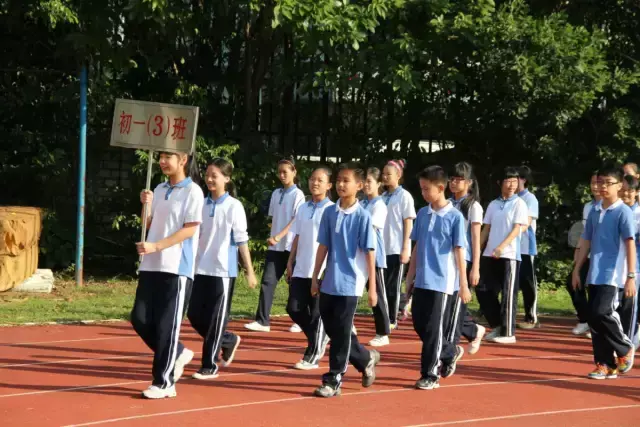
point(608, 183)
point(456, 179)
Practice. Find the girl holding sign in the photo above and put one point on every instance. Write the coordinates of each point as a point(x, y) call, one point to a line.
point(166, 271)
point(223, 236)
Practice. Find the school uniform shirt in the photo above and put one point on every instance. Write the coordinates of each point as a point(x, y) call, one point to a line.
point(474, 217)
point(378, 210)
point(437, 234)
point(306, 227)
point(223, 230)
point(607, 230)
point(528, 244)
point(502, 215)
point(282, 209)
point(636, 216)
point(172, 208)
point(348, 235)
point(587, 209)
point(400, 206)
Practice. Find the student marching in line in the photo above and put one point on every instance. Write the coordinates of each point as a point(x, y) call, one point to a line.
point(505, 219)
point(579, 296)
point(166, 270)
point(466, 198)
point(401, 212)
point(303, 307)
point(283, 208)
point(378, 210)
point(528, 250)
point(347, 243)
point(437, 267)
point(628, 307)
point(609, 237)
point(223, 234)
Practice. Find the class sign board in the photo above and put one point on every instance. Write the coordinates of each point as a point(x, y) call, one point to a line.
point(154, 126)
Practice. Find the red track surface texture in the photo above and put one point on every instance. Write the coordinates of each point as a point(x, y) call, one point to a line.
point(93, 374)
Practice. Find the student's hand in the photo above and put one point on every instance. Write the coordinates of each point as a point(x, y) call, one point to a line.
point(405, 256)
point(373, 299)
point(575, 280)
point(497, 252)
point(315, 287)
point(409, 288)
point(474, 277)
point(630, 288)
point(271, 241)
point(145, 248)
point(146, 197)
point(251, 280)
point(464, 294)
point(289, 271)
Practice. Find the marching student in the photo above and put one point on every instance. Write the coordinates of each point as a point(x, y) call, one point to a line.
point(579, 296)
point(397, 232)
point(528, 250)
point(609, 236)
point(628, 307)
point(303, 308)
point(378, 210)
point(347, 243)
point(466, 198)
point(223, 234)
point(504, 221)
point(437, 267)
point(283, 208)
point(166, 270)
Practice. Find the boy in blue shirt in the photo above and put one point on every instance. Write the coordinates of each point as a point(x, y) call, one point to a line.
point(347, 241)
point(437, 270)
point(609, 236)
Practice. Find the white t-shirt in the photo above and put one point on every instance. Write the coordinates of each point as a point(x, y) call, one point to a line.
point(502, 215)
point(172, 208)
point(306, 228)
point(400, 206)
point(283, 208)
point(474, 216)
point(223, 230)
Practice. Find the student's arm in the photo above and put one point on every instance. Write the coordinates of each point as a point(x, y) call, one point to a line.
point(241, 235)
point(405, 255)
point(584, 245)
point(282, 233)
point(292, 257)
point(186, 232)
point(411, 273)
point(484, 236)
point(146, 198)
point(245, 256)
point(367, 243)
point(321, 254)
point(497, 252)
point(630, 284)
point(474, 276)
point(520, 219)
point(464, 294)
point(371, 267)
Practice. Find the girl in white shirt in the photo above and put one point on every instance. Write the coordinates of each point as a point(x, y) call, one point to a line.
point(378, 210)
point(303, 307)
point(401, 212)
point(466, 198)
point(223, 234)
point(166, 270)
point(283, 208)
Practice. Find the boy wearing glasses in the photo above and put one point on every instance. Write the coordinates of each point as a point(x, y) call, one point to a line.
point(609, 237)
point(505, 220)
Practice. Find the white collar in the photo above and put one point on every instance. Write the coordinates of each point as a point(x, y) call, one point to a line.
point(349, 210)
point(442, 211)
point(613, 205)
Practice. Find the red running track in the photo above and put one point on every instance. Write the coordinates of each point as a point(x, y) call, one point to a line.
point(92, 375)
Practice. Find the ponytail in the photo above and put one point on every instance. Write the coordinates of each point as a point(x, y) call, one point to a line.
point(192, 170)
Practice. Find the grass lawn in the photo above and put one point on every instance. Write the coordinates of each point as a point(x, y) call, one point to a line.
point(102, 299)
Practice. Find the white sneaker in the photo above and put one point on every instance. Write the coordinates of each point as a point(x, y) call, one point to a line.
point(474, 345)
point(257, 327)
point(580, 329)
point(183, 360)
point(303, 365)
point(295, 328)
point(354, 330)
point(379, 341)
point(588, 335)
point(504, 340)
point(155, 392)
point(493, 334)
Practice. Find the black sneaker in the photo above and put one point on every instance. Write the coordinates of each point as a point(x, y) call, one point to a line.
point(369, 374)
point(427, 384)
point(450, 369)
point(205, 374)
point(326, 390)
point(229, 353)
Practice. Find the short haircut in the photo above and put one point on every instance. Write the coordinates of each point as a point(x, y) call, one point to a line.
point(434, 174)
point(356, 168)
point(632, 182)
point(525, 173)
point(614, 172)
point(509, 172)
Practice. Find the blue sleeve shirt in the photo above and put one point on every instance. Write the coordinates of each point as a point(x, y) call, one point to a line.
point(437, 234)
point(348, 235)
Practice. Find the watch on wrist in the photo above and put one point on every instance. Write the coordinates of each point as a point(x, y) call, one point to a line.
point(631, 276)
point(276, 238)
